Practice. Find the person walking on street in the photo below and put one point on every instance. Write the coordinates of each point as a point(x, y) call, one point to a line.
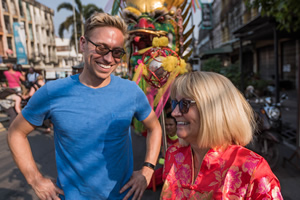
point(91, 114)
point(13, 78)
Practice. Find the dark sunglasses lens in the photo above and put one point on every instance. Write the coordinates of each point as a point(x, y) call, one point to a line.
point(184, 106)
point(173, 104)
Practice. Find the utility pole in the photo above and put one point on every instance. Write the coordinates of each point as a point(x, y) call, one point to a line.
point(75, 30)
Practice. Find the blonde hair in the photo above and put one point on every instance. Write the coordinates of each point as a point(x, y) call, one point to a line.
point(104, 20)
point(225, 116)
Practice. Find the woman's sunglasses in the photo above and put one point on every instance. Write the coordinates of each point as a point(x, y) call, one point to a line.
point(184, 105)
point(103, 50)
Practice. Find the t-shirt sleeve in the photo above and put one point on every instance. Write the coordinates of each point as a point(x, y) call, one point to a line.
point(143, 108)
point(264, 184)
point(38, 107)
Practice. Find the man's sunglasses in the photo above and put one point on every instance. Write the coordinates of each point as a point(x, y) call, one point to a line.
point(103, 50)
point(184, 105)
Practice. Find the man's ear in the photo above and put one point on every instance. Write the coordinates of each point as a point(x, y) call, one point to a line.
point(82, 42)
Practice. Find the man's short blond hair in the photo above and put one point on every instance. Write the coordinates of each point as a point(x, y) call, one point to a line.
point(225, 116)
point(105, 20)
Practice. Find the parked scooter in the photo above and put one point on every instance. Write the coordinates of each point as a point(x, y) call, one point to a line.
point(273, 111)
point(267, 136)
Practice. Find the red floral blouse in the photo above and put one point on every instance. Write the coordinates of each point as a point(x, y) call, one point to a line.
point(234, 173)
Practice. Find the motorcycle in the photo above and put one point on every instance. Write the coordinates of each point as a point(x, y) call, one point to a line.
point(267, 137)
point(273, 111)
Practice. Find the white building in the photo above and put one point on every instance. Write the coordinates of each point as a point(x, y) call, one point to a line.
point(66, 58)
point(66, 54)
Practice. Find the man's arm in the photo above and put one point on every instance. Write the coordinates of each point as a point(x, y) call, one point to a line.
point(21, 151)
point(140, 179)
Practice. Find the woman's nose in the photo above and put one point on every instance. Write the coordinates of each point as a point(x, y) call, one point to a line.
point(176, 111)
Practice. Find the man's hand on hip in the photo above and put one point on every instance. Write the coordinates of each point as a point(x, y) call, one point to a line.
point(138, 183)
point(45, 189)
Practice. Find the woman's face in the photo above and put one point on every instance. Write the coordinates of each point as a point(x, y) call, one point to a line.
point(170, 126)
point(188, 124)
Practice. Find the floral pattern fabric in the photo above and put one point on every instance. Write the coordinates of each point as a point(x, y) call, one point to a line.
point(234, 173)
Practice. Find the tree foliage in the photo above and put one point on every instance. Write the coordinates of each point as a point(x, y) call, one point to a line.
point(232, 72)
point(82, 13)
point(285, 12)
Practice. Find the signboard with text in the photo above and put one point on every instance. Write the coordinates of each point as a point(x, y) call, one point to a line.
point(20, 43)
point(207, 22)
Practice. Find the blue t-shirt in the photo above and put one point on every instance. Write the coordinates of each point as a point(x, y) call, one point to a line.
point(91, 133)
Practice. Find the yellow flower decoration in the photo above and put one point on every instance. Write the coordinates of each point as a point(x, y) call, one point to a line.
point(183, 68)
point(160, 42)
point(170, 63)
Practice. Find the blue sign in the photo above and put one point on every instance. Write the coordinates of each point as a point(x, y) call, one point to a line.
point(20, 43)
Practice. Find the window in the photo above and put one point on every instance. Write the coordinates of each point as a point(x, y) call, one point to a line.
point(7, 25)
point(13, 9)
point(1, 28)
point(49, 52)
point(4, 6)
point(28, 12)
point(9, 43)
point(32, 49)
point(21, 9)
point(1, 47)
point(37, 33)
point(30, 32)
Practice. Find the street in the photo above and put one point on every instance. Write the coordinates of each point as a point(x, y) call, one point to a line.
point(14, 187)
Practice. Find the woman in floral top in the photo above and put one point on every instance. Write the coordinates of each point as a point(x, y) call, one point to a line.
point(214, 122)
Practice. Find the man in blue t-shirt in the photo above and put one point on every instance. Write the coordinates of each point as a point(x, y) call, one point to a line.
point(91, 113)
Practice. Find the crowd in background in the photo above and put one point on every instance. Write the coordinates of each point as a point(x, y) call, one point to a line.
point(19, 86)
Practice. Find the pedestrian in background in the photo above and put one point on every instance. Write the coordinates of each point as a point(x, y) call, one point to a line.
point(35, 86)
point(214, 122)
point(171, 129)
point(32, 75)
point(10, 102)
point(91, 114)
point(13, 78)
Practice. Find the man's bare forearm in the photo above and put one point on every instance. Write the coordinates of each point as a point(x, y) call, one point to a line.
point(20, 148)
point(153, 141)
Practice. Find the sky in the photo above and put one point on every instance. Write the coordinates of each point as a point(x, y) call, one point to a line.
point(60, 16)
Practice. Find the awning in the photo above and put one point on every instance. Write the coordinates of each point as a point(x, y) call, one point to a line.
point(221, 50)
point(260, 28)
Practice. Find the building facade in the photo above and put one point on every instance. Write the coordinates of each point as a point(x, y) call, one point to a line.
point(263, 52)
point(238, 32)
point(37, 20)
